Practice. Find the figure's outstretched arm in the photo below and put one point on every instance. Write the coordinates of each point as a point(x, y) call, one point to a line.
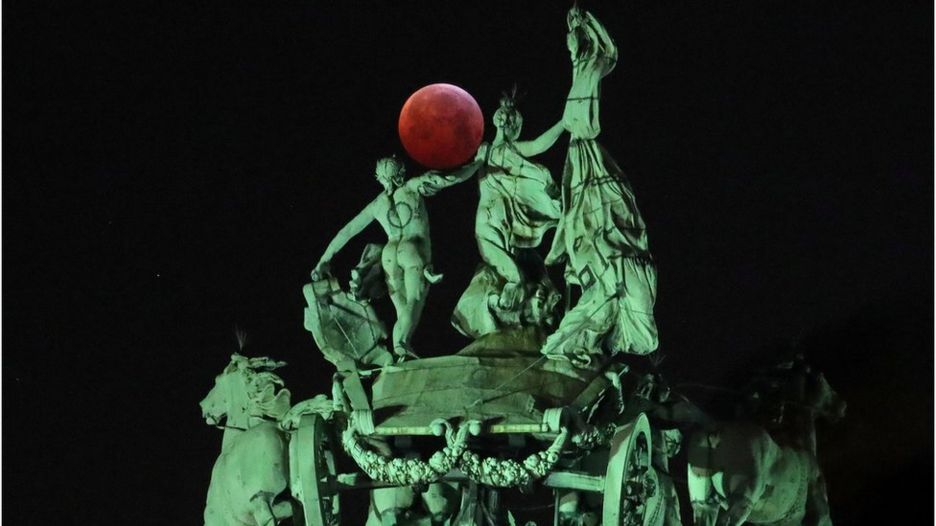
point(431, 182)
point(347, 232)
point(541, 143)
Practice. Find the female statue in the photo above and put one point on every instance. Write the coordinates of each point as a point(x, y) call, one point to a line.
point(601, 236)
point(517, 206)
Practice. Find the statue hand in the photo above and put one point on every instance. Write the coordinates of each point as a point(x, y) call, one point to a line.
point(575, 16)
point(427, 188)
point(321, 270)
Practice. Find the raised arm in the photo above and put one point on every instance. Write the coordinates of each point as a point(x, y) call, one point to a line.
point(347, 232)
point(605, 48)
point(429, 183)
point(541, 143)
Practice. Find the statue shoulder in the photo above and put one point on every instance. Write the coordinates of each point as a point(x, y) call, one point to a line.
point(381, 201)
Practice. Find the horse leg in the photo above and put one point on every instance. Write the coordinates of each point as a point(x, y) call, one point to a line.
point(741, 492)
point(817, 504)
point(567, 507)
point(213, 515)
point(261, 507)
point(704, 514)
point(702, 497)
point(285, 509)
point(671, 515)
point(213, 518)
point(373, 515)
point(441, 501)
point(389, 505)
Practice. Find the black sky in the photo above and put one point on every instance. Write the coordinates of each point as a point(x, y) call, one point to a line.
point(171, 171)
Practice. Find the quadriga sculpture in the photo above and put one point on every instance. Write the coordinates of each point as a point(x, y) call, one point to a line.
point(438, 440)
point(251, 473)
point(739, 473)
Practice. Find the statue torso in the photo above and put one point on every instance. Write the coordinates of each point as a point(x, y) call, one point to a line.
point(402, 214)
point(580, 117)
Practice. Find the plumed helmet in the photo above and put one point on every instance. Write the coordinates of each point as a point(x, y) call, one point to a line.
point(507, 113)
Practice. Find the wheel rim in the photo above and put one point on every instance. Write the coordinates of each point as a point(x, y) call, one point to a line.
point(314, 477)
point(629, 482)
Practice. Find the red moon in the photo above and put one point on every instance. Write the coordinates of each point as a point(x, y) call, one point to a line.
point(441, 126)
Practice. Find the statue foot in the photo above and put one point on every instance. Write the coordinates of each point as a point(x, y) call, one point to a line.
point(578, 357)
point(403, 351)
point(558, 356)
point(511, 296)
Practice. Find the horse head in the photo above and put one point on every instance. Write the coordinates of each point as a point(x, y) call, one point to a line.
point(791, 391)
point(246, 388)
point(822, 399)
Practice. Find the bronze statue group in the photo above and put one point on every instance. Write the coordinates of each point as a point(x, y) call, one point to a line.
point(600, 237)
point(761, 470)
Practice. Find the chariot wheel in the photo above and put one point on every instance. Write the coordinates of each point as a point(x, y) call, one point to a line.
point(312, 472)
point(631, 495)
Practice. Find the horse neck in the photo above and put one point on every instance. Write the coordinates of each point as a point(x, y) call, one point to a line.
point(230, 434)
point(809, 438)
point(802, 426)
point(234, 430)
point(235, 426)
point(238, 417)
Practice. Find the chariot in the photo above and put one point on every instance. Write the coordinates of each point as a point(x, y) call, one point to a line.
point(495, 416)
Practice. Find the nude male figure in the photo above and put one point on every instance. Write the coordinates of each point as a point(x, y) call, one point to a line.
point(407, 257)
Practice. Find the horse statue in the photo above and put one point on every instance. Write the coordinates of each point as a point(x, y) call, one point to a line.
point(751, 471)
point(250, 478)
point(787, 399)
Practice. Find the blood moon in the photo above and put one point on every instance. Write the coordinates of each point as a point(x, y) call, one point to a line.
point(441, 126)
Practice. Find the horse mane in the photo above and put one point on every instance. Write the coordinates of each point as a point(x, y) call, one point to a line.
point(266, 396)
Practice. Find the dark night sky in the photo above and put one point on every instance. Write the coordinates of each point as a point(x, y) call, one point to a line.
point(173, 170)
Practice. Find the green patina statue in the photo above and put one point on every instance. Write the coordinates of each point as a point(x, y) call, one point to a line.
point(407, 257)
point(251, 474)
point(531, 402)
point(601, 237)
point(517, 206)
